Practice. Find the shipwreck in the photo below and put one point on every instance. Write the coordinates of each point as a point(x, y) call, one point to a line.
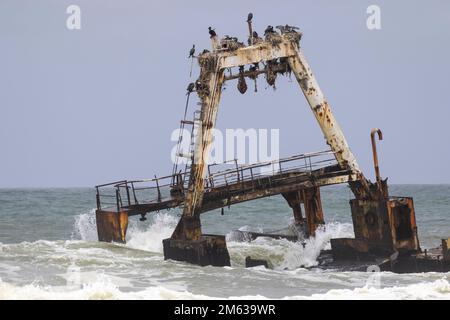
point(386, 233)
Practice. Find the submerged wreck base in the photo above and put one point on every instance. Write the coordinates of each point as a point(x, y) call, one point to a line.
point(209, 250)
point(432, 261)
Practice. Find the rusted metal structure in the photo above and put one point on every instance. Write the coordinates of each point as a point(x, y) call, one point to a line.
point(385, 226)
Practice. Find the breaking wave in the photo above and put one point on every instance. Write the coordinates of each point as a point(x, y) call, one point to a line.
point(85, 227)
point(283, 254)
point(150, 236)
point(103, 288)
point(100, 271)
point(146, 236)
point(439, 289)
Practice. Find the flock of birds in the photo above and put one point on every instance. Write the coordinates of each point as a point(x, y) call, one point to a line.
point(212, 33)
point(268, 30)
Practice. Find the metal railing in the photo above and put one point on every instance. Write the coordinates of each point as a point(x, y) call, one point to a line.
point(298, 163)
point(126, 193)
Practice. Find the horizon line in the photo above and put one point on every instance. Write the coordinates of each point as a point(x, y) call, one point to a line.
point(93, 187)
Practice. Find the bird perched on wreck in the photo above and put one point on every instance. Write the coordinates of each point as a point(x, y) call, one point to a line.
point(287, 28)
point(228, 38)
point(191, 56)
point(212, 32)
point(190, 88)
point(268, 30)
point(250, 17)
point(192, 52)
point(254, 67)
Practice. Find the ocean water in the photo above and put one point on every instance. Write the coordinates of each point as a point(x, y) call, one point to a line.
point(49, 250)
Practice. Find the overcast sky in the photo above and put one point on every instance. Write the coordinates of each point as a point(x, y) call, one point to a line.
point(84, 107)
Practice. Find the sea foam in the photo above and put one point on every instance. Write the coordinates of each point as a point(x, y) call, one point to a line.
point(105, 289)
point(85, 227)
point(143, 236)
point(283, 254)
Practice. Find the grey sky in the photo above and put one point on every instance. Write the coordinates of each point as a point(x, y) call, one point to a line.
point(79, 108)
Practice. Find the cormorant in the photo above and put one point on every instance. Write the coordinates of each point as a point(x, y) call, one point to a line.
point(192, 52)
point(287, 28)
point(255, 34)
point(291, 27)
point(212, 33)
point(190, 88)
point(250, 17)
point(269, 29)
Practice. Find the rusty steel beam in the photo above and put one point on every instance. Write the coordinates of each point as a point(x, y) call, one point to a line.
point(294, 200)
point(209, 205)
point(211, 80)
point(313, 209)
point(257, 53)
point(332, 131)
point(255, 74)
point(319, 105)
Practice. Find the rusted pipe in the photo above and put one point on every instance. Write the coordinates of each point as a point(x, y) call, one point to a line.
point(375, 154)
